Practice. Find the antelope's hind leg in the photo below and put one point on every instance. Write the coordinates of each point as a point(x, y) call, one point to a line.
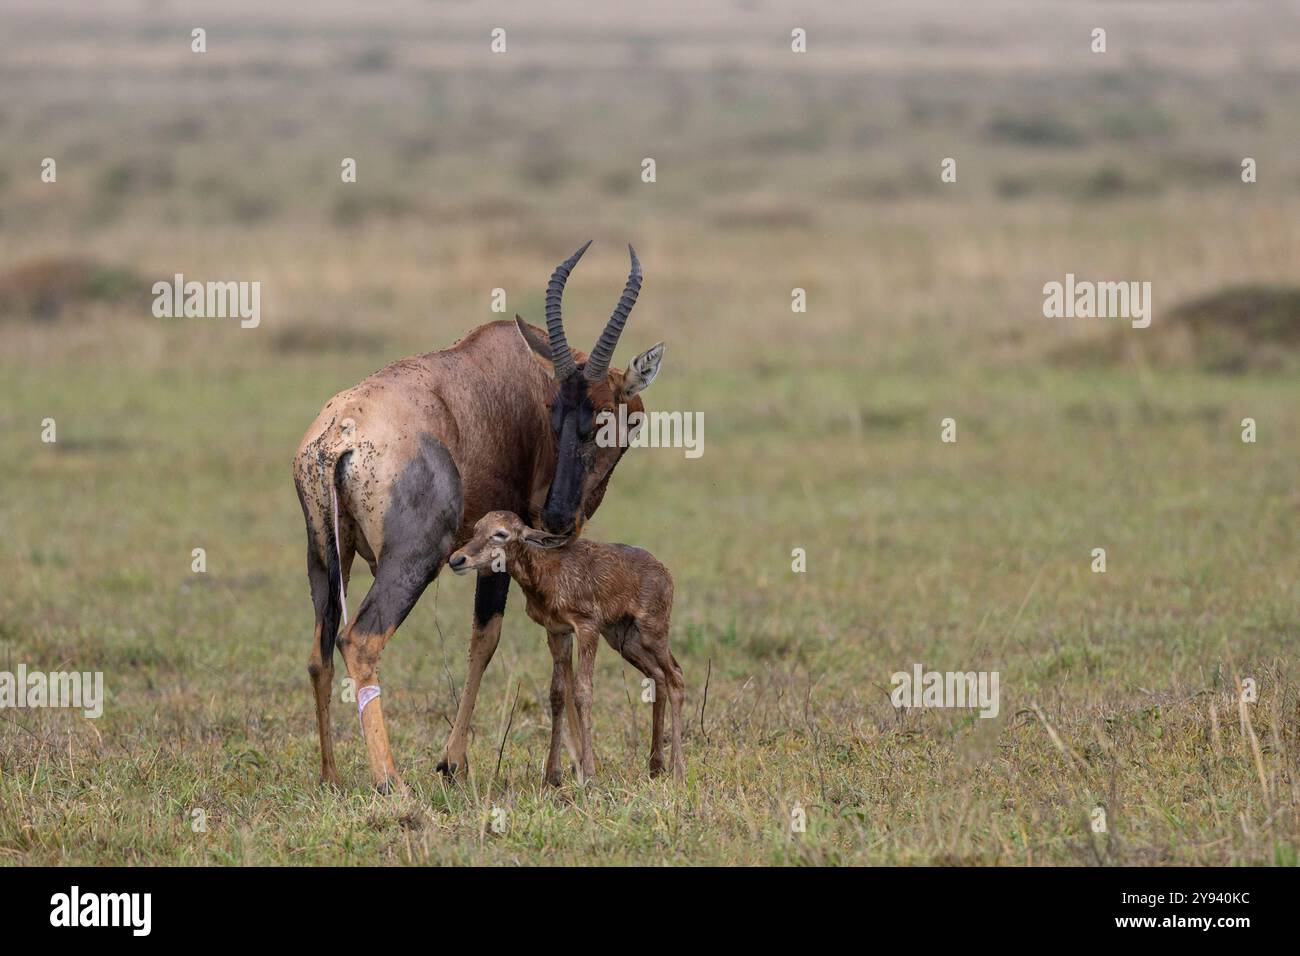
point(420, 518)
point(320, 660)
point(653, 640)
point(626, 639)
point(327, 574)
point(676, 691)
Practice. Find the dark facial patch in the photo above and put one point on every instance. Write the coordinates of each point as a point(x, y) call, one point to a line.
point(573, 421)
point(573, 401)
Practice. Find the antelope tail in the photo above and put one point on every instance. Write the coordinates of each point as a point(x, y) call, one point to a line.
point(337, 606)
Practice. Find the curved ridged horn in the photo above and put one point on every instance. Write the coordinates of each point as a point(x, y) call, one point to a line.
point(561, 357)
point(598, 363)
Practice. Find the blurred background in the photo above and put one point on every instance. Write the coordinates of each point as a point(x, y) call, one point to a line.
point(774, 171)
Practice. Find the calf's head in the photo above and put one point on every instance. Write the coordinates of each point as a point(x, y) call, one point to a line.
point(497, 536)
point(588, 387)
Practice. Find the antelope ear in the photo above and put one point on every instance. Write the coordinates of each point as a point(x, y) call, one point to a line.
point(543, 539)
point(643, 370)
point(538, 347)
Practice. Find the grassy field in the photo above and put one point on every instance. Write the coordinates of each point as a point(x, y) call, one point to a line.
point(822, 429)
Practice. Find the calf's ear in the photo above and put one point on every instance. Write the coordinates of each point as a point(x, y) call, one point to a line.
point(543, 539)
point(642, 370)
point(538, 347)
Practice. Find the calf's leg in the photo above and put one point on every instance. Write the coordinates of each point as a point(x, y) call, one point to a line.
point(588, 639)
point(654, 639)
point(627, 641)
point(561, 683)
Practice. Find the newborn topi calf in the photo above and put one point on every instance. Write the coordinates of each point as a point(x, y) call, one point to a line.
point(576, 586)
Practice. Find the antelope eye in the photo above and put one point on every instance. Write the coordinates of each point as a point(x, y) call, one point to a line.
point(500, 534)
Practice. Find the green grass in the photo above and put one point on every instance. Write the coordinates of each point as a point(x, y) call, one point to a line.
point(967, 556)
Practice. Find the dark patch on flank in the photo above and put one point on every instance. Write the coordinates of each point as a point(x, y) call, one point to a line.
point(424, 511)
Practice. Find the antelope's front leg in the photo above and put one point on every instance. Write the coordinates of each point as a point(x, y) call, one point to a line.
point(489, 605)
point(561, 682)
point(588, 640)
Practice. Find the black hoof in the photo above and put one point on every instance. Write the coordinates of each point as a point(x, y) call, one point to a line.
point(449, 770)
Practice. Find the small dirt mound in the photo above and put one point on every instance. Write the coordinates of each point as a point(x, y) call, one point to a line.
point(1264, 315)
point(1242, 327)
point(1236, 329)
point(41, 290)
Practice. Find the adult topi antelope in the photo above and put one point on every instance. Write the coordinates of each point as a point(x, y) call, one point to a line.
point(401, 467)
